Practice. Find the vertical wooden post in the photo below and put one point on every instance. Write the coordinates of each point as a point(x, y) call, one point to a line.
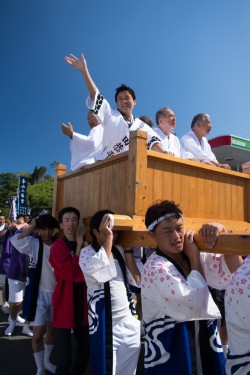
point(59, 170)
point(137, 168)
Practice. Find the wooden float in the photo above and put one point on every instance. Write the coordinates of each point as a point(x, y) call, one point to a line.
point(130, 182)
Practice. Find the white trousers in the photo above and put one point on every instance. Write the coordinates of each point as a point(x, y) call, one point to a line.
point(126, 346)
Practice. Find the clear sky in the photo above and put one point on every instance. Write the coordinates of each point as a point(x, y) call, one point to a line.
point(190, 55)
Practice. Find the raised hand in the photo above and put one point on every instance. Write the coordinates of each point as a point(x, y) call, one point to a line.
point(105, 226)
point(78, 63)
point(67, 129)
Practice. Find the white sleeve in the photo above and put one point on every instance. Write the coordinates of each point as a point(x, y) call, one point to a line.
point(180, 298)
point(25, 245)
point(97, 265)
point(152, 137)
point(84, 148)
point(190, 147)
point(216, 270)
point(175, 146)
point(100, 107)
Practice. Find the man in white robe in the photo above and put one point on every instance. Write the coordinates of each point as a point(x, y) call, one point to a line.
point(195, 146)
point(166, 122)
point(84, 148)
point(119, 122)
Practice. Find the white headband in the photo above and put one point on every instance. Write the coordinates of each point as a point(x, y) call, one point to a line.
point(161, 218)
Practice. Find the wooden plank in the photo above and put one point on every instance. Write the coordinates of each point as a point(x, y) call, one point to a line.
point(130, 182)
point(228, 243)
point(238, 243)
point(136, 172)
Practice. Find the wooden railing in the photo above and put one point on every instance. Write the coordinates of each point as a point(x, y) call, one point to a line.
point(130, 182)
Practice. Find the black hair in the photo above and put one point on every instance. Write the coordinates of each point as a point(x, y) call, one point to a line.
point(46, 221)
point(161, 208)
point(96, 221)
point(123, 88)
point(198, 117)
point(147, 120)
point(66, 210)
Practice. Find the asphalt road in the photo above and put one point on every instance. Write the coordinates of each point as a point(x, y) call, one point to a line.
point(16, 356)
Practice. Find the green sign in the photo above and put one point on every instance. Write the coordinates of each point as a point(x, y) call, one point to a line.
point(240, 143)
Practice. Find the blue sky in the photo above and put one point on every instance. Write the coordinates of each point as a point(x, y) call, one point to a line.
point(190, 55)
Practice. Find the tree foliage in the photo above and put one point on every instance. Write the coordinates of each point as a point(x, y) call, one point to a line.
point(39, 191)
point(8, 188)
point(40, 196)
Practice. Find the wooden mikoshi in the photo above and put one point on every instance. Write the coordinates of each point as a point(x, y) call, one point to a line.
point(130, 182)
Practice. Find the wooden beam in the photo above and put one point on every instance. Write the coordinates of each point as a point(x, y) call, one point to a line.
point(228, 243)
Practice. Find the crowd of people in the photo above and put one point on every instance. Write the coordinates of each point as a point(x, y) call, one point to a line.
point(78, 296)
point(111, 135)
point(98, 305)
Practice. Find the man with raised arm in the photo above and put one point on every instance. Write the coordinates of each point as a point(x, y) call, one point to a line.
point(119, 122)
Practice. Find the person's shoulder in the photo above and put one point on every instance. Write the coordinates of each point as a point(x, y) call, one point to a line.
point(188, 135)
point(205, 140)
point(96, 130)
point(59, 243)
point(86, 254)
point(176, 138)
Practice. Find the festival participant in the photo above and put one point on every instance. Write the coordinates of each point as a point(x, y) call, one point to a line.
point(84, 148)
point(16, 272)
point(195, 146)
point(40, 286)
point(117, 123)
point(237, 307)
point(178, 310)
point(166, 122)
point(147, 120)
point(114, 331)
point(3, 282)
point(70, 312)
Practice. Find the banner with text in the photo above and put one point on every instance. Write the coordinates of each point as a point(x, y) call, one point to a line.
point(22, 188)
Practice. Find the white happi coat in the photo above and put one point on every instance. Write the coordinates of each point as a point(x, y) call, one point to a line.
point(237, 307)
point(171, 143)
point(168, 298)
point(192, 148)
point(85, 148)
point(166, 292)
point(98, 268)
point(116, 129)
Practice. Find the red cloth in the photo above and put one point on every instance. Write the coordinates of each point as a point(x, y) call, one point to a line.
point(67, 271)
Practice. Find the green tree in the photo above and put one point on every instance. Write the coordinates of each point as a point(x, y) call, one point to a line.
point(8, 188)
point(40, 196)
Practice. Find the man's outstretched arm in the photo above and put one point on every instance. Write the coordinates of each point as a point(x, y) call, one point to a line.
point(81, 65)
